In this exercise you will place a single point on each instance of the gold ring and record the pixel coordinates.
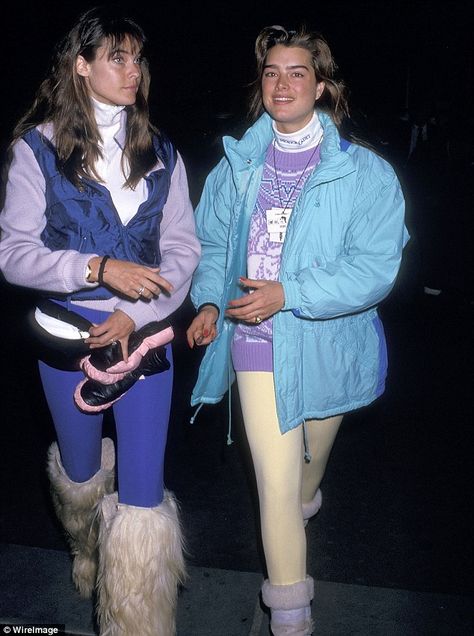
(141, 290)
(257, 320)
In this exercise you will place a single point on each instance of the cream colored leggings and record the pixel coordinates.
(284, 480)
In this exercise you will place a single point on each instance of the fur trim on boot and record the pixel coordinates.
(141, 565)
(290, 607)
(76, 505)
(312, 508)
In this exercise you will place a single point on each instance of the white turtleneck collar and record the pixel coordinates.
(106, 114)
(111, 124)
(303, 139)
(111, 121)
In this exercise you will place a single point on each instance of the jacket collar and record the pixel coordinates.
(251, 149)
(334, 162)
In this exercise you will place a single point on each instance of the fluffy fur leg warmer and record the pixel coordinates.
(76, 505)
(312, 508)
(141, 565)
(290, 607)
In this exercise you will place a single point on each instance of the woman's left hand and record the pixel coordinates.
(117, 327)
(265, 300)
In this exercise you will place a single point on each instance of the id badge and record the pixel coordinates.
(277, 222)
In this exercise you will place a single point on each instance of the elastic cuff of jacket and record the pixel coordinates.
(208, 305)
(292, 295)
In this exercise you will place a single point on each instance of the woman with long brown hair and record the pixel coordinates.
(97, 220)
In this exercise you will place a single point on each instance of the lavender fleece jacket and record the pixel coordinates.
(26, 261)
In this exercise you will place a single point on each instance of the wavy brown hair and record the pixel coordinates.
(63, 100)
(333, 99)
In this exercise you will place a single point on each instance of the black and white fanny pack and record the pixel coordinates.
(59, 335)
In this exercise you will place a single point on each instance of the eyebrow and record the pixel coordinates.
(291, 67)
(127, 52)
(119, 50)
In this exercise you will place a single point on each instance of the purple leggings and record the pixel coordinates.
(141, 420)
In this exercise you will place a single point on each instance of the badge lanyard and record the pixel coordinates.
(278, 218)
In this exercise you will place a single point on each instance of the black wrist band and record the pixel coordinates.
(100, 274)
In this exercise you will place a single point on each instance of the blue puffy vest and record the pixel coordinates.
(86, 220)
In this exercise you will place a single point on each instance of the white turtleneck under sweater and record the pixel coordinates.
(110, 120)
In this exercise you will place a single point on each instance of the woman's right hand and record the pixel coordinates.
(130, 279)
(203, 330)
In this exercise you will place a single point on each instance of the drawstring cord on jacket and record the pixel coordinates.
(193, 418)
(307, 454)
(229, 403)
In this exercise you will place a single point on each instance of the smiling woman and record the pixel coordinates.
(302, 236)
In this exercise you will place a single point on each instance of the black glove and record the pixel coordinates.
(92, 396)
(106, 364)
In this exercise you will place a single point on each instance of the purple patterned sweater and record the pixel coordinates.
(252, 344)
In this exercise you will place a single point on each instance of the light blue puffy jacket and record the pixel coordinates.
(340, 258)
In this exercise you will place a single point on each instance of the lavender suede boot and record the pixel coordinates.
(290, 607)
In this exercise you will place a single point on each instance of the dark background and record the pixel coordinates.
(393, 55)
(398, 487)
(404, 63)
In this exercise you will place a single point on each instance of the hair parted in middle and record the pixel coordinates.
(63, 100)
(333, 99)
